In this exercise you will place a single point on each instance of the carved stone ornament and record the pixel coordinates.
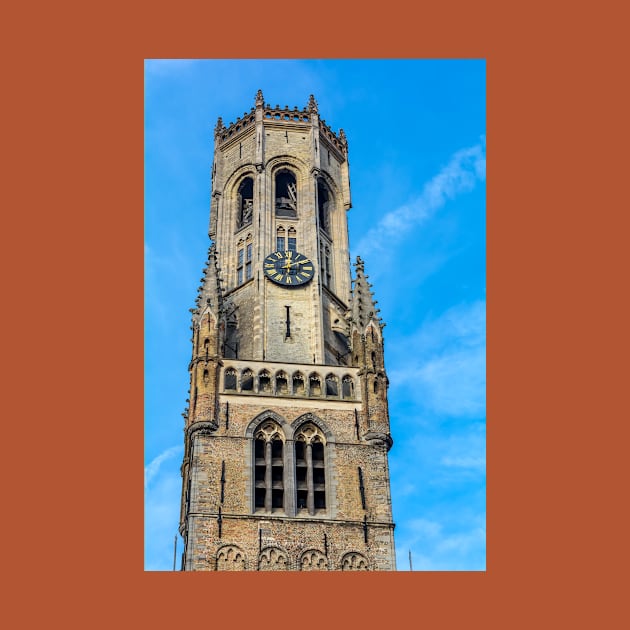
(375, 438)
(204, 428)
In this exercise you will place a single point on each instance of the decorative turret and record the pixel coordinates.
(363, 305)
(209, 293)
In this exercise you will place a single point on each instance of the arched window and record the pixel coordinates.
(323, 206)
(347, 387)
(310, 469)
(230, 378)
(286, 194)
(245, 202)
(314, 385)
(332, 385)
(280, 239)
(282, 384)
(269, 467)
(264, 382)
(247, 381)
(292, 243)
(298, 384)
(244, 252)
(325, 266)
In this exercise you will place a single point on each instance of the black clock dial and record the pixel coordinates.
(289, 268)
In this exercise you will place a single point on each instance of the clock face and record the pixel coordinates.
(289, 268)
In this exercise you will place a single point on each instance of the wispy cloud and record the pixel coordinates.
(444, 364)
(152, 469)
(465, 169)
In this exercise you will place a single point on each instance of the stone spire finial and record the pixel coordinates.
(342, 138)
(363, 305)
(260, 101)
(312, 105)
(209, 293)
(219, 126)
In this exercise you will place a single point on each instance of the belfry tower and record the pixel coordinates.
(287, 429)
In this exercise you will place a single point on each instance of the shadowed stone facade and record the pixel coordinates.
(287, 427)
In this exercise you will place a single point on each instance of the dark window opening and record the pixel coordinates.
(323, 204)
(282, 385)
(277, 498)
(260, 497)
(245, 199)
(315, 386)
(264, 382)
(276, 452)
(248, 262)
(230, 379)
(331, 386)
(286, 195)
(247, 383)
(292, 240)
(347, 387)
(298, 385)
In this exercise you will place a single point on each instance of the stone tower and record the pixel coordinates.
(287, 429)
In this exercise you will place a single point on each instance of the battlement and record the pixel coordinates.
(283, 116)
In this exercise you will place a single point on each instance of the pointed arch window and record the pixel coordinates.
(292, 240)
(310, 469)
(244, 252)
(325, 266)
(269, 468)
(247, 380)
(280, 239)
(323, 206)
(245, 203)
(286, 194)
(347, 387)
(298, 384)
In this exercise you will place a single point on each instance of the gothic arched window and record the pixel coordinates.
(264, 382)
(282, 383)
(230, 378)
(280, 239)
(245, 202)
(269, 467)
(310, 469)
(298, 384)
(286, 194)
(332, 385)
(347, 387)
(323, 206)
(244, 252)
(247, 380)
(314, 385)
(325, 265)
(292, 243)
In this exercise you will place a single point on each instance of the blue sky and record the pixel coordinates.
(417, 151)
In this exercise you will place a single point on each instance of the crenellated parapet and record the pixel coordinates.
(284, 116)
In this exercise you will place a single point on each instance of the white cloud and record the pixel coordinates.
(152, 469)
(465, 168)
(443, 366)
